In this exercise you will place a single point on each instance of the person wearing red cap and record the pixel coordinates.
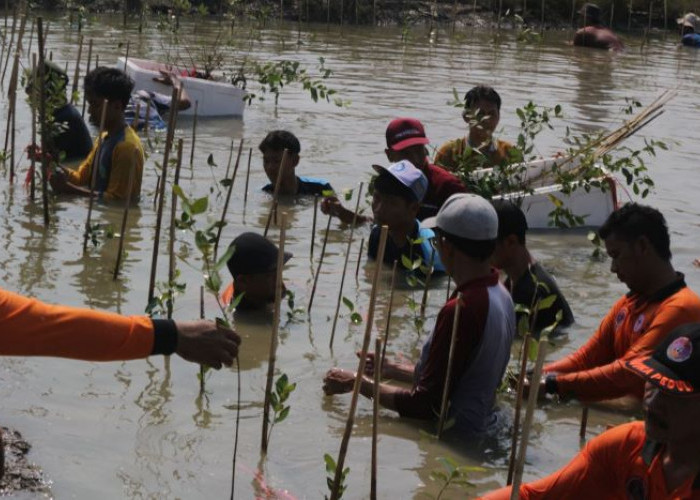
(406, 140)
(594, 34)
(657, 459)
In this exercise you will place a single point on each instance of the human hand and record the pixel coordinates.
(541, 391)
(166, 78)
(58, 180)
(387, 369)
(338, 381)
(330, 205)
(206, 343)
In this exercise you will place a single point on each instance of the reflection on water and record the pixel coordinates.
(141, 429)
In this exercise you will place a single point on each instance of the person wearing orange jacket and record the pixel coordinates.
(656, 459)
(637, 240)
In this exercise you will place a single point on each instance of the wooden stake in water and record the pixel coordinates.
(76, 74)
(10, 131)
(147, 120)
(424, 300)
(87, 70)
(31, 38)
(276, 192)
(450, 358)
(584, 423)
(10, 44)
(629, 17)
(375, 416)
(35, 98)
(194, 131)
(42, 121)
(320, 263)
(313, 228)
(387, 327)
(247, 177)
(340, 462)
(228, 199)
(273, 338)
(359, 258)
(531, 402)
(125, 218)
(518, 404)
(345, 265)
(172, 120)
(171, 236)
(93, 179)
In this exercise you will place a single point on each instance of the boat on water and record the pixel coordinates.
(214, 98)
(542, 195)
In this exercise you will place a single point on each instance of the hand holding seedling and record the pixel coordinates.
(206, 342)
(338, 381)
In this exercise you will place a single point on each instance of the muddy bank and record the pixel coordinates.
(16, 472)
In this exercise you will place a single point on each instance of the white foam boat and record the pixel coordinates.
(214, 98)
(594, 205)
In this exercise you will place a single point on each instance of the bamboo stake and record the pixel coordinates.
(126, 62)
(518, 404)
(93, 179)
(275, 328)
(450, 358)
(172, 120)
(10, 44)
(11, 115)
(228, 199)
(629, 17)
(173, 211)
(335, 490)
(388, 315)
(345, 265)
(202, 368)
(313, 228)
(573, 14)
(665, 15)
(147, 121)
(531, 402)
(42, 121)
(230, 159)
(194, 131)
(542, 18)
(375, 417)
(32, 166)
(320, 263)
(125, 217)
(612, 13)
(76, 74)
(424, 300)
(359, 258)
(247, 177)
(31, 38)
(584, 423)
(276, 192)
(87, 70)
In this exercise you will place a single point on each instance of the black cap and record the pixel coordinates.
(511, 219)
(253, 254)
(674, 367)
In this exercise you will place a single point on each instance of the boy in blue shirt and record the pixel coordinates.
(398, 193)
(272, 147)
(690, 24)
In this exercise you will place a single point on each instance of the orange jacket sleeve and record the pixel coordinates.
(82, 176)
(31, 328)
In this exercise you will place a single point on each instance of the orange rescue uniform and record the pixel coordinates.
(619, 464)
(29, 327)
(632, 329)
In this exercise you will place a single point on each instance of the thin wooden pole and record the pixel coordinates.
(76, 74)
(375, 417)
(87, 70)
(449, 282)
(359, 258)
(230, 159)
(531, 403)
(335, 490)
(542, 18)
(424, 300)
(345, 265)
(173, 211)
(573, 14)
(320, 263)
(276, 192)
(629, 17)
(12, 113)
(126, 62)
(584, 423)
(35, 97)
(518, 405)
(275, 329)
(665, 15)
(612, 13)
(93, 179)
(313, 228)
(194, 131)
(147, 121)
(11, 44)
(42, 122)
(387, 327)
(172, 120)
(31, 38)
(247, 177)
(125, 218)
(228, 199)
(450, 358)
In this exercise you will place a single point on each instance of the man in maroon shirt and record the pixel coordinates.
(406, 140)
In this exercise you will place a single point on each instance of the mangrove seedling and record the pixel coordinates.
(355, 317)
(283, 389)
(330, 470)
(452, 474)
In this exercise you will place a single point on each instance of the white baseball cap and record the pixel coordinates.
(466, 216)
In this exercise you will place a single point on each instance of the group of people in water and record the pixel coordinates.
(647, 346)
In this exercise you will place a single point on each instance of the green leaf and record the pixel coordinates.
(200, 205)
(406, 262)
(532, 350)
(283, 414)
(356, 318)
(546, 302)
(225, 257)
(281, 383)
(348, 303)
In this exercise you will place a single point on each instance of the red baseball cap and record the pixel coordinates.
(405, 132)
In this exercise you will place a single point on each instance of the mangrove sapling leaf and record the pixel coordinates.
(330, 470)
(452, 473)
(355, 317)
(282, 391)
(546, 302)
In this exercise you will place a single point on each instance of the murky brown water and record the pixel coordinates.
(139, 429)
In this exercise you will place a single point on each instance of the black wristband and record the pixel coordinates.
(550, 384)
(164, 336)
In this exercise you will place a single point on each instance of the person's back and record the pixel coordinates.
(594, 34)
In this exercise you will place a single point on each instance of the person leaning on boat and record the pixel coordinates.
(406, 140)
(478, 149)
(637, 241)
(690, 25)
(119, 152)
(594, 34)
(466, 228)
(657, 459)
(155, 103)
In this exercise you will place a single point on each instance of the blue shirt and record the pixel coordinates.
(691, 40)
(160, 104)
(72, 136)
(423, 248)
(308, 186)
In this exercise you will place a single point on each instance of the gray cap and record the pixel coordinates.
(466, 216)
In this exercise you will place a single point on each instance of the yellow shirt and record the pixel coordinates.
(119, 154)
(454, 154)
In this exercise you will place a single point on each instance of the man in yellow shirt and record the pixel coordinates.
(118, 155)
